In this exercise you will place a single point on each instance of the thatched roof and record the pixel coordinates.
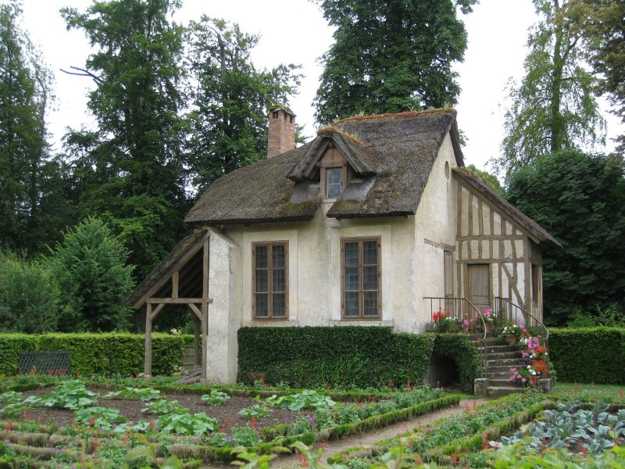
(163, 270)
(391, 154)
(533, 229)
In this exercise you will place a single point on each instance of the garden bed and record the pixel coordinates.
(107, 422)
(132, 410)
(528, 430)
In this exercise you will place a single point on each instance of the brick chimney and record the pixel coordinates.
(281, 134)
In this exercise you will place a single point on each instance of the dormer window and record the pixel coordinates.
(334, 182)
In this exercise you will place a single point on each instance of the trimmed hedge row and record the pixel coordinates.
(588, 355)
(103, 353)
(349, 356)
(337, 356)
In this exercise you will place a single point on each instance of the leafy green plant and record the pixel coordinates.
(11, 404)
(215, 397)
(255, 411)
(71, 394)
(163, 407)
(307, 399)
(132, 393)
(187, 424)
(574, 428)
(101, 418)
(245, 436)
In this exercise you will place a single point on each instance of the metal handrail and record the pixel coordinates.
(526, 314)
(446, 300)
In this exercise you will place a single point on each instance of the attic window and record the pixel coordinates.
(334, 182)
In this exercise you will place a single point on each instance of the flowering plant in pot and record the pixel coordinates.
(511, 333)
(536, 357)
(442, 322)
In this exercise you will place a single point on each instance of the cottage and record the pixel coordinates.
(374, 222)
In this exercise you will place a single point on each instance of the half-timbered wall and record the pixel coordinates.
(486, 236)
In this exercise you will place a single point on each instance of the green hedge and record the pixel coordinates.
(102, 354)
(588, 355)
(336, 356)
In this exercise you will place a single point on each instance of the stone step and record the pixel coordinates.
(493, 369)
(497, 391)
(503, 381)
(490, 356)
(498, 348)
(498, 375)
(509, 362)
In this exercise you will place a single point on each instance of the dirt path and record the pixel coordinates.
(369, 439)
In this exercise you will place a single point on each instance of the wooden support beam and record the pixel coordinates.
(196, 311)
(157, 310)
(147, 364)
(175, 284)
(174, 301)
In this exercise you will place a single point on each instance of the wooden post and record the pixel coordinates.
(204, 319)
(147, 370)
(175, 282)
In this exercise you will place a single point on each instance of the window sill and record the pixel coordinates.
(270, 323)
(362, 322)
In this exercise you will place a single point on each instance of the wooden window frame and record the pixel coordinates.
(270, 315)
(361, 316)
(324, 179)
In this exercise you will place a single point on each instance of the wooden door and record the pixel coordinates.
(478, 279)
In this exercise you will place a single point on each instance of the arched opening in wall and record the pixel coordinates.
(444, 371)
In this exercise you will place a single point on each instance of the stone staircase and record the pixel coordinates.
(497, 360)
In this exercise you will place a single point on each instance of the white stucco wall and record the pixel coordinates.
(435, 229)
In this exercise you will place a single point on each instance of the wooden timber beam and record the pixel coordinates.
(174, 301)
(147, 363)
(175, 283)
(196, 311)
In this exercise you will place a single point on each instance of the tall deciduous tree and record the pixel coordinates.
(230, 99)
(554, 107)
(580, 199)
(28, 175)
(602, 24)
(390, 55)
(130, 170)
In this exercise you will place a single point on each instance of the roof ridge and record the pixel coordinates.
(329, 129)
(394, 115)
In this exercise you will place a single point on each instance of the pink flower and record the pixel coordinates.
(466, 324)
(488, 312)
(533, 343)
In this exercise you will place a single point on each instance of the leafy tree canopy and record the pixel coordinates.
(230, 99)
(94, 279)
(390, 56)
(601, 23)
(131, 169)
(32, 206)
(554, 107)
(580, 199)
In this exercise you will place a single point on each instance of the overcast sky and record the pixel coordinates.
(294, 31)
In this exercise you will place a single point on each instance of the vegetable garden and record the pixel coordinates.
(53, 422)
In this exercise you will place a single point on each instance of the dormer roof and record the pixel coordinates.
(359, 156)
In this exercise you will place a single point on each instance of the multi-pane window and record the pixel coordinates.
(334, 182)
(270, 280)
(361, 278)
